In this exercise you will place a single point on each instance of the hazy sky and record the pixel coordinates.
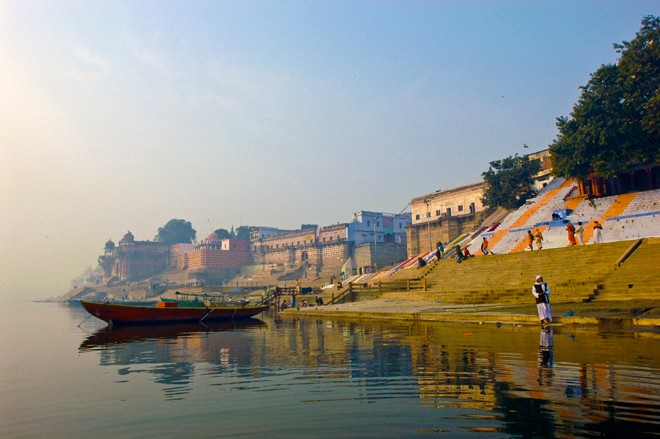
(121, 115)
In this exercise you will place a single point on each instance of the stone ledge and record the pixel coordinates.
(490, 318)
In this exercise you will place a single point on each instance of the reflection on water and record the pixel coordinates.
(508, 380)
(290, 377)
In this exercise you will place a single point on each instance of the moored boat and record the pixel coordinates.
(204, 299)
(168, 312)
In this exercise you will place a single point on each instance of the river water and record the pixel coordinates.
(288, 377)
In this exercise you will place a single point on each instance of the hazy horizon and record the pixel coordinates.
(122, 115)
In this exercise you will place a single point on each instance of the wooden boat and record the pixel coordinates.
(168, 312)
(204, 299)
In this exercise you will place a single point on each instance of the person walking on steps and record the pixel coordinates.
(440, 250)
(599, 232)
(541, 292)
(570, 229)
(538, 239)
(579, 232)
(484, 246)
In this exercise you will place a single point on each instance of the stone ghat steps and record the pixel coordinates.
(636, 278)
(574, 275)
(518, 295)
(556, 265)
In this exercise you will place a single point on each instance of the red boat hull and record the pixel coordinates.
(119, 314)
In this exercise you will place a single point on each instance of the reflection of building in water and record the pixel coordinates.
(511, 373)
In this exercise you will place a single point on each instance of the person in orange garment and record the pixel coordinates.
(484, 246)
(570, 228)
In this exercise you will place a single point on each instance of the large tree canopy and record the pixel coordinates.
(614, 125)
(243, 232)
(176, 231)
(509, 181)
(222, 233)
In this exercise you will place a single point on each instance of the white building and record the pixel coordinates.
(378, 227)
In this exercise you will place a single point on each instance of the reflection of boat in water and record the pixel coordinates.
(133, 333)
(170, 312)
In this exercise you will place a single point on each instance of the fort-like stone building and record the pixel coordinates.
(132, 260)
(371, 241)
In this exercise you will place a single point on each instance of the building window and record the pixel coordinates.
(417, 217)
(428, 214)
(448, 211)
(438, 213)
(473, 208)
(460, 208)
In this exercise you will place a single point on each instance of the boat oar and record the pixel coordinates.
(84, 320)
(207, 314)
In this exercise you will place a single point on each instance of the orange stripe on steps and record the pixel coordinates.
(528, 214)
(616, 209)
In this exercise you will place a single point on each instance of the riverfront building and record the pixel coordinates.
(443, 215)
(370, 240)
(132, 260)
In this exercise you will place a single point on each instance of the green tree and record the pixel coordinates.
(176, 231)
(614, 124)
(243, 232)
(509, 181)
(222, 233)
(639, 68)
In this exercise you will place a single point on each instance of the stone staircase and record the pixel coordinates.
(575, 274)
(636, 278)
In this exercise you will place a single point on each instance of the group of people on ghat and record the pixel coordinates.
(540, 288)
(281, 303)
(459, 253)
(575, 235)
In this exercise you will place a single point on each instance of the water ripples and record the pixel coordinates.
(502, 382)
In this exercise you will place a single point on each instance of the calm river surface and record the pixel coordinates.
(288, 377)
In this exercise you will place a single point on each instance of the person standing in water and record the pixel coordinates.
(541, 292)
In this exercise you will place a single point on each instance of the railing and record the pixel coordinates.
(377, 288)
(342, 296)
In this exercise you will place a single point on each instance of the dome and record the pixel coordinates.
(128, 238)
(213, 238)
(109, 245)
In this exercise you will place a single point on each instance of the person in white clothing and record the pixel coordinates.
(541, 292)
(579, 231)
(598, 229)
